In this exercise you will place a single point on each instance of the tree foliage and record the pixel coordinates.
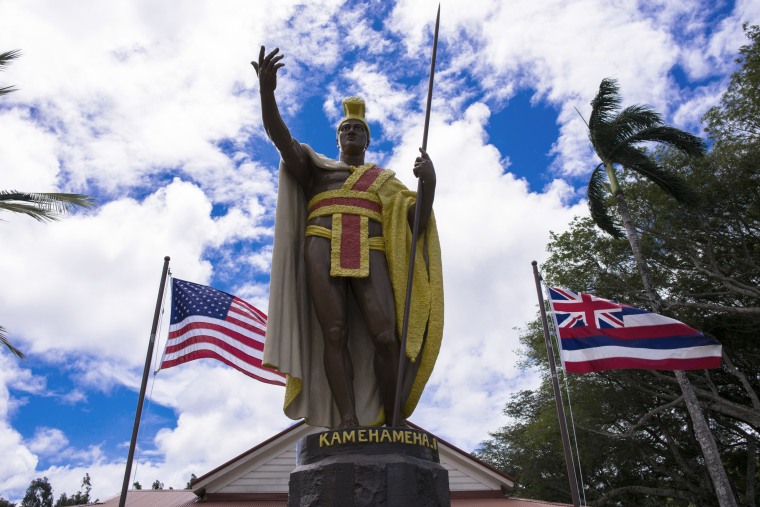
(38, 494)
(617, 136)
(633, 432)
(78, 498)
(737, 118)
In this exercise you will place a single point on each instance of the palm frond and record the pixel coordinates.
(42, 206)
(4, 341)
(605, 103)
(671, 184)
(7, 56)
(597, 204)
(633, 119)
(684, 142)
(5, 60)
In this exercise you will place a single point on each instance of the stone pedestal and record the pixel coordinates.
(393, 467)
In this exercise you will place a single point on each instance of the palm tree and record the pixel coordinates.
(617, 137)
(40, 206)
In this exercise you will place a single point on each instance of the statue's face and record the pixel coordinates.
(352, 137)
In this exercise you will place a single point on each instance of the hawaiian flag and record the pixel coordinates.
(597, 334)
(209, 323)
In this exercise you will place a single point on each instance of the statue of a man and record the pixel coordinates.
(339, 271)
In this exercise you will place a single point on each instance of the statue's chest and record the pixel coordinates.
(328, 180)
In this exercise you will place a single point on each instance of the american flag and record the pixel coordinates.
(209, 323)
(597, 334)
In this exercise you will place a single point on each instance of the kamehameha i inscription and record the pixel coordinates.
(404, 436)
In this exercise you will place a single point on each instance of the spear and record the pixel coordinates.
(415, 233)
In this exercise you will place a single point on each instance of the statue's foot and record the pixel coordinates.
(351, 422)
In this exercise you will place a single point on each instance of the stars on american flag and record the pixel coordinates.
(194, 299)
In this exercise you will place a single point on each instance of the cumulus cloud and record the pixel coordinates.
(18, 460)
(47, 441)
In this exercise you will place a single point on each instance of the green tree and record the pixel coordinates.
(616, 136)
(157, 485)
(38, 494)
(737, 118)
(40, 206)
(189, 484)
(136, 485)
(6, 503)
(729, 395)
(79, 498)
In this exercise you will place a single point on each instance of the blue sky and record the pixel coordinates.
(153, 109)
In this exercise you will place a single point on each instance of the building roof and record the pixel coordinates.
(259, 478)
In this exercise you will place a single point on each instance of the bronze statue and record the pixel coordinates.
(342, 237)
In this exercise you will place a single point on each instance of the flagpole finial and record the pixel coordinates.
(167, 258)
(534, 263)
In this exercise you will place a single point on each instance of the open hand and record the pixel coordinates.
(266, 68)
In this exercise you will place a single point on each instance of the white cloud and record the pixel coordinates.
(47, 441)
(40, 165)
(18, 460)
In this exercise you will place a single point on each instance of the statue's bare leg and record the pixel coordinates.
(329, 295)
(374, 296)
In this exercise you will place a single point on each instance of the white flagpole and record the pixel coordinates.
(141, 398)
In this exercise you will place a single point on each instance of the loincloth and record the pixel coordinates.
(374, 242)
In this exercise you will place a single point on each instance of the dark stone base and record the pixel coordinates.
(394, 467)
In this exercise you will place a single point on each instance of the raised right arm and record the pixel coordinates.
(295, 159)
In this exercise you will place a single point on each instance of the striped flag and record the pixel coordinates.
(206, 322)
(597, 334)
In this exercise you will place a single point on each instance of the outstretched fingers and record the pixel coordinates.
(268, 59)
(268, 63)
(257, 65)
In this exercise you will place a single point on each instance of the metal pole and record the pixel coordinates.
(557, 396)
(415, 233)
(141, 398)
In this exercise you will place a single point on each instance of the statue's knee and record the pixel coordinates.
(335, 336)
(385, 339)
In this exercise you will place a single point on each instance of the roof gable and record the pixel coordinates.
(265, 469)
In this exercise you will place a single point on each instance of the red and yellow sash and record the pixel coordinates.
(351, 208)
